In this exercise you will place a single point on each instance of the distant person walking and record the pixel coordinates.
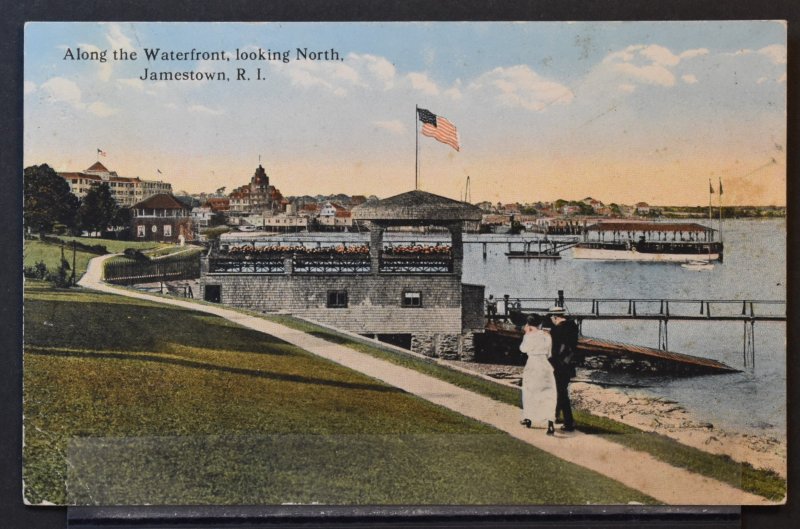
(564, 334)
(539, 395)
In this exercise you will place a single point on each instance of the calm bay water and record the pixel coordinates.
(754, 268)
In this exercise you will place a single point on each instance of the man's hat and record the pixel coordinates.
(556, 311)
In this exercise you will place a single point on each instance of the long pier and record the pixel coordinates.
(662, 310)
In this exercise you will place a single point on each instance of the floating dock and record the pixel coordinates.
(503, 339)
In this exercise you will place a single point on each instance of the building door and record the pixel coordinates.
(213, 293)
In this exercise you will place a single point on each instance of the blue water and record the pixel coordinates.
(754, 268)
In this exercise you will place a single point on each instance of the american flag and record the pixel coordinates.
(438, 128)
(101, 152)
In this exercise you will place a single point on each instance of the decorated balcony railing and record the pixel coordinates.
(331, 264)
(331, 260)
(246, 265)
(416, 264)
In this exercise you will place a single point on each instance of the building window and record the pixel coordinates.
(167, 230)
(412, 299)
(140, 230)
(337, 299)
(212, 293)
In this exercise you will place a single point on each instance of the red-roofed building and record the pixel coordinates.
(125, 190)
(161, 217)
(219, 204)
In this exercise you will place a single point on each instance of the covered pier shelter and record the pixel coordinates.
(408, 295)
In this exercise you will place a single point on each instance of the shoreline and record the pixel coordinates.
(662, 416)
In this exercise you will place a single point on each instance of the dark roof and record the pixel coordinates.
(97, 166)
(417, 206)
(160, 201)
(648, 226)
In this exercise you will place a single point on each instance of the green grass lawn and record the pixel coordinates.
(742, 475)
(35, 250)
(115, 246)
(130, 402)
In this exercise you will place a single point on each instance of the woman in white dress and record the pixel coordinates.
(538, 383)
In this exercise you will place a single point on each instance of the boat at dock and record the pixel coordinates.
(649, 241)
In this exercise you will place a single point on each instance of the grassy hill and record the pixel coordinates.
(130, 402)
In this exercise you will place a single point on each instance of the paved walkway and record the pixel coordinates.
(637, 470)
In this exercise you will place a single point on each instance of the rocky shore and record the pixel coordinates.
(662, 416)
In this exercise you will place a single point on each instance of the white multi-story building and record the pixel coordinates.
(127, 191)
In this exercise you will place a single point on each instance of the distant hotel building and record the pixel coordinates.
(256, 198)
(127, 191)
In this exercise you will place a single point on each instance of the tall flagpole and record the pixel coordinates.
(710, 192)
(416, 158)
(720, 209)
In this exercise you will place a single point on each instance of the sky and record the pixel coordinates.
(622, 112)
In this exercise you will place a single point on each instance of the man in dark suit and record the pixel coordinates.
(564, 333)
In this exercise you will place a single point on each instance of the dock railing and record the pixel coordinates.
(649, 308)
(661, 310)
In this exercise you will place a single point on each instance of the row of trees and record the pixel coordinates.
(48, 204)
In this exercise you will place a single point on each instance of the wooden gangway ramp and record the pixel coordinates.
(610, 355)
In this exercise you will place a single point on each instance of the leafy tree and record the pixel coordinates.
(98, 209)
(47, 199)
(123, 217)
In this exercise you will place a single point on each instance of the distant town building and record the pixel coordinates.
(161, 217)
(125, 190)
(219, 204)
(257, 198)
(201, 216)
(334, 216)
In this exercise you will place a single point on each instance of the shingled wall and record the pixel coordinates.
(374, 302)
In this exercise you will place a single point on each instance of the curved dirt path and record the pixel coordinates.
(638, 470)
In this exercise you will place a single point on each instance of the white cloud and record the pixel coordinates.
(782, 78)
(691, 54)
(689, 78)
(117, 39)
(340, 77)
(776, 53)
(454, 92)
(521, 86)
(421, 82)
(202, 109)
(660, 55)
(380, 68)
(29, 87)
(649, 64)
(59, 89)
(626, 87)
(98, 108)
(395, 126)
(761, 80)
(650, 74)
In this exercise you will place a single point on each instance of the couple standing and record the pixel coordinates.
(550, 366)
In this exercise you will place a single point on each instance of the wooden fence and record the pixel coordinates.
(128, 272)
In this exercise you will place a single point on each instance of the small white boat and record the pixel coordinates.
(698, 265)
